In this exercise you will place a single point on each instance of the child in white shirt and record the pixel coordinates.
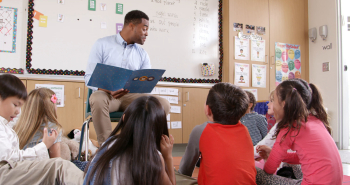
(30, 166)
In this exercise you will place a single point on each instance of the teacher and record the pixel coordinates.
(120, 50)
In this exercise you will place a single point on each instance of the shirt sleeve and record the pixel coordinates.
(192, 153)
(279, 152)
(268, 140)
(146, 63)
(95, 57)
(9, 148)
(262, 125)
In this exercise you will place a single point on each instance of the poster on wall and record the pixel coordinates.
(288, 62)
(8, 29)
(241, 48)
(58, 89)
(254, 91)
(242, 74)
(258, 50)
(259, 75)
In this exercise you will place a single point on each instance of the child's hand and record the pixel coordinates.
(264, 151)
(49, 139)
(166, 146)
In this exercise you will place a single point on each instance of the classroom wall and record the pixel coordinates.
(324, 12)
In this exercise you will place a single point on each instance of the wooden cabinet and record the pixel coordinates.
(24, 82)
(70, 116)
(289, 24)
(193, 100)
(284, 21)
(177, 133)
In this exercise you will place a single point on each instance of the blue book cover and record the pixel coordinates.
(114, 78)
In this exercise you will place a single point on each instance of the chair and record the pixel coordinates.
(115, 116)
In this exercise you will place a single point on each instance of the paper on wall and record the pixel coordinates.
(254, 91)
(162, 90)
(103, 6)
(103, 25)
(60, 17)
(175, 109)
(242, 74)
(58, 89)
(168, 124)
(176, 125)
(258, 50)
(172, 91)
(259, 75)
(241, 48)
(168, 117)
(43, 21)
(171, 99)
(155, 90)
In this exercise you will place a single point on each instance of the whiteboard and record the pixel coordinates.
(182, 34)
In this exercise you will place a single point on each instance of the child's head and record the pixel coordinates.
(293, 101)
(39, 109)
(270, 104)
(252, 101)
(227, 103)
(13, 94)
(135, 142)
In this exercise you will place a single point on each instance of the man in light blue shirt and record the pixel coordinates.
(120, 50)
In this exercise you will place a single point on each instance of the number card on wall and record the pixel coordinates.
(8, 29)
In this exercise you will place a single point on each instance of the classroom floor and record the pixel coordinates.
(179, 151)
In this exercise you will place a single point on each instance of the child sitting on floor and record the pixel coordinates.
(30, 166)
(223, 142)
(303, 127)
(138, 151)
(256, 123)
(39, 112)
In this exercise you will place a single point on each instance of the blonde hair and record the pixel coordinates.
(38, 110)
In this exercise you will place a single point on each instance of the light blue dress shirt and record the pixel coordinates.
(114, 51)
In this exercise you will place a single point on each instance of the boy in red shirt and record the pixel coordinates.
(223, 142)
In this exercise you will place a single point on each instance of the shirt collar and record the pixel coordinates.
(121, 41)
(3, 120)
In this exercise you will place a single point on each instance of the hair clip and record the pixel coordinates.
(294, 88)
(54, 98)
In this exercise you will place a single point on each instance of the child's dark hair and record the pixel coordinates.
(316, 105)
(227, 102)
(135, 141)
(135, 16)
(10, 85)
(300, 100)
(251, 99)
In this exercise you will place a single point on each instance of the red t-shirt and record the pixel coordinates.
(227, 155)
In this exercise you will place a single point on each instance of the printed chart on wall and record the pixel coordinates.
(288, 62)
(8, 29)
(241, 48)
(242, 74)
(259, 75)
(58, 89)
(258, 50)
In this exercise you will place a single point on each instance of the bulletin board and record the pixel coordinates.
(182, 35)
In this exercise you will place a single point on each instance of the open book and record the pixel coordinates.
(114, 78)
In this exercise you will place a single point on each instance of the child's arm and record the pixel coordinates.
(166, 147)
(9, 147)
(262, 125)
(55, 150)
(268, 141)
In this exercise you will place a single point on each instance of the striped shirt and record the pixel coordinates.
(257, 126)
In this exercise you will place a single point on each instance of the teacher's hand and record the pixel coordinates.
(119, 93)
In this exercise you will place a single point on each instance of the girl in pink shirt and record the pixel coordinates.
(303, 127)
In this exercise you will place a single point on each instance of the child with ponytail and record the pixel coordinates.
(303, 127)
(37, 113)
